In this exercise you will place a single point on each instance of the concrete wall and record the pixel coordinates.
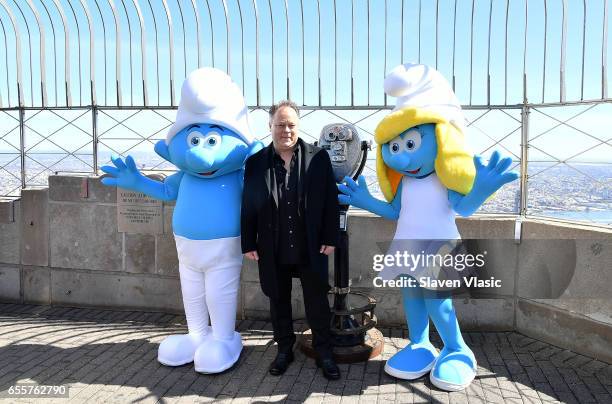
(61, 246)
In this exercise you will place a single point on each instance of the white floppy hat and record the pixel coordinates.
(421, 86)
(208, 95)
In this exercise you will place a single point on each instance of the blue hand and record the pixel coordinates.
(357, 194)
(123, 175)
(489, 179)
(354, 193)
(493, 176)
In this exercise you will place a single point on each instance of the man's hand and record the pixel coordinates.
(327, 249)
(252, 255)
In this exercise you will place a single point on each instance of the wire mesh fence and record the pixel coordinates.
(85, 79)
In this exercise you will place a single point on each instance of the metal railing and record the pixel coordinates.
(82, 64)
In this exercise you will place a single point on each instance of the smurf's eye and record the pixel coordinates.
(412, 140)
(395, 147)
(194, 139)
(212, 140)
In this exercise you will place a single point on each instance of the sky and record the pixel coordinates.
(296, 47)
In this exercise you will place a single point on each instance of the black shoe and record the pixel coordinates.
(329, 368)
(281, 363)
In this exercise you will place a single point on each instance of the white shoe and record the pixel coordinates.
(216, 355)
(178, 350)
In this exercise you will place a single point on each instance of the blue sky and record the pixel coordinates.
(351, 43)
(346, 29)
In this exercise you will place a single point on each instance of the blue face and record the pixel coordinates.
(207, 151)
(413, 152)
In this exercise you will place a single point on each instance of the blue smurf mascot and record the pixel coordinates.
(426, 174)
(208, 143)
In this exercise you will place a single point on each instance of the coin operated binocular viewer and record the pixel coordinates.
(353, 321)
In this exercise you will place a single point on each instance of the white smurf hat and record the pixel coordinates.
(208, 95)
(421, 86)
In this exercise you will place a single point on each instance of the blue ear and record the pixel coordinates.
(162, 149)
(255, 147)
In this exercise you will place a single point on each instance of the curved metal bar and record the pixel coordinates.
(29, 51)
(563, 46)
(506, 56)
(228, 41)
(117, 52)
(8, 87)
(156, 49)
(54, 49)
(178, 3)
(353, 52)
(472, 53)
(303, 57)
(437, 29)
(197, 18)
(454, 40)
(92, 70)
(67, 81)
(143, 52)
(418, 33)
(604, 53)
(319, 57)
(103, 49)
(171, 49)
(368, 23)
(525, 55)
(584, 19)
(287, 25)
(385, 52)
(545, 46)
(401, 32)
(489, 55)
(127, 17)
(241, 43)
(43, 75)
(76, 23)
(272, 49)
(212, 35)
(256, 49)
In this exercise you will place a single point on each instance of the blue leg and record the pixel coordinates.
(418, 357)
(455, 368)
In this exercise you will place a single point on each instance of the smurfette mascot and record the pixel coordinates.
(209, 142)
(427, 175)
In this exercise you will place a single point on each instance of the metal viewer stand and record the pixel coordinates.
(353, 320)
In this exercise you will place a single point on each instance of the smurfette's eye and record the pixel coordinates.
(395, 147)
(412, 140)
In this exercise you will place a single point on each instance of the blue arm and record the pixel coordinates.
(488, 180)
(126, 175)
(357, 194)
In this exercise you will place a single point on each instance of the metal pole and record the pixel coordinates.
(94, 134)
(22, 145)
(524, 157)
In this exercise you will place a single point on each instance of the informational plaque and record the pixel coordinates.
(138, 213)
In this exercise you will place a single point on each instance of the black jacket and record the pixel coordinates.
(259, 217)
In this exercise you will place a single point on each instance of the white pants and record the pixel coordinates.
(210, 278)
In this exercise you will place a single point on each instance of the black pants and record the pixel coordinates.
(316, 306)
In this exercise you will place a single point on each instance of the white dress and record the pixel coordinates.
(425, 215)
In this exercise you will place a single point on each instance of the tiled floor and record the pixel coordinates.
(110, 356)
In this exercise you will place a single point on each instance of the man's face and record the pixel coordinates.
(284, 128)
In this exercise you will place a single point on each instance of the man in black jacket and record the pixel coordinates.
(289, 224)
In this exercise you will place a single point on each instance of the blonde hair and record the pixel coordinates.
(454, 163)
